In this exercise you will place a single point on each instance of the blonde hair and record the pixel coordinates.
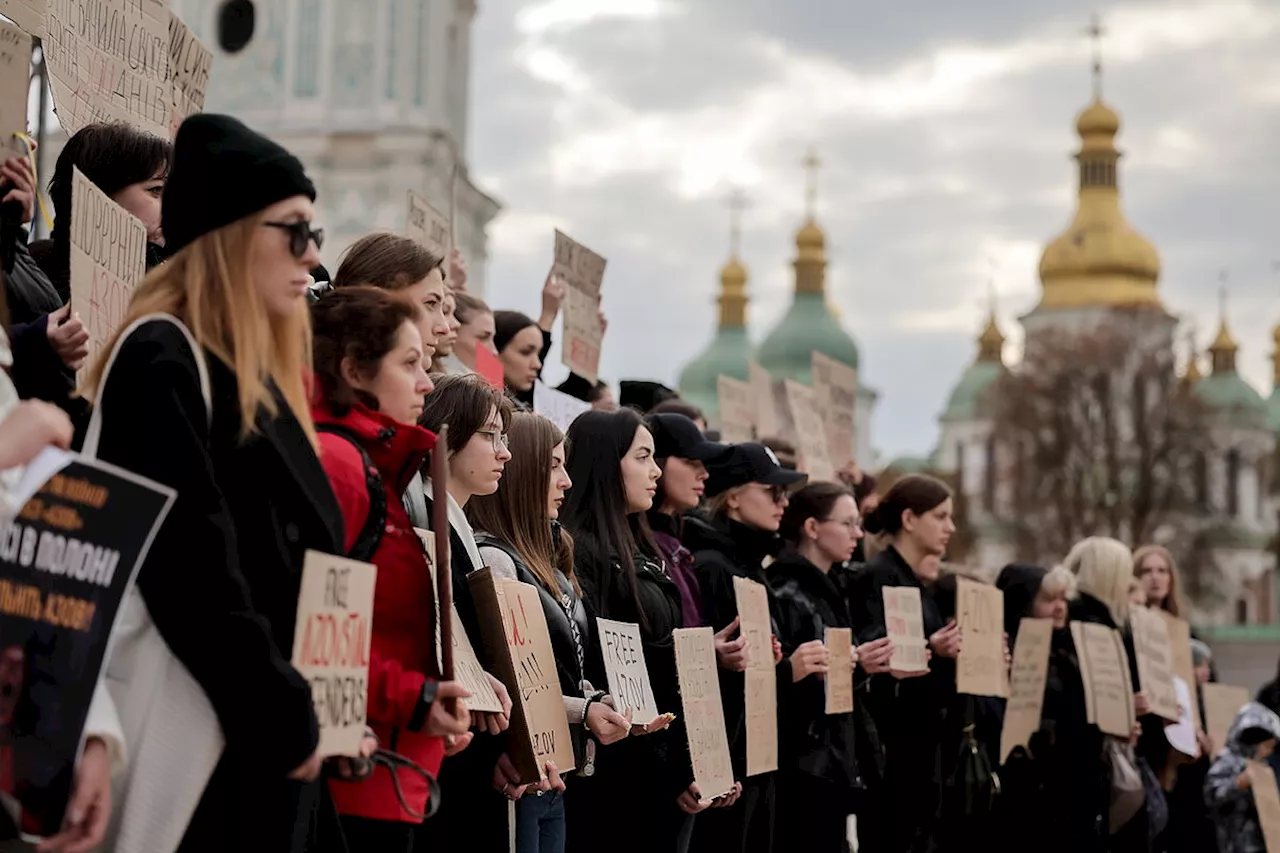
(1103, 568)
(1172, 603)
(209, 286)
(1059, 581)
(718, 506)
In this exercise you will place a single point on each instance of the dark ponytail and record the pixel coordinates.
(816, 500)
(919, 493)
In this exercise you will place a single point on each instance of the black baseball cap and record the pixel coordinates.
(676, 435)
(749, 463)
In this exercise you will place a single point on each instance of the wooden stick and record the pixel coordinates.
(444, 570)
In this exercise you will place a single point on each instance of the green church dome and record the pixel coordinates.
(968, 397)
(1224, 390)
(807, 327)
(727, 354)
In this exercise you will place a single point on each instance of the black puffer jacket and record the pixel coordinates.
(723, 550)
(812, 741)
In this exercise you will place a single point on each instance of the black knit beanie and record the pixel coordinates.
(222, 172)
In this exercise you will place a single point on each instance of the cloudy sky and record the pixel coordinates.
(945, 129)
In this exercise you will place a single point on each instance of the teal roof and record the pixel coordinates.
(1233, 398)
(727, 354)
(967, 398)
(808, 327)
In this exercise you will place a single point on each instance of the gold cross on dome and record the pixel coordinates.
(811, 164)
(1095, 32)
(737, 206)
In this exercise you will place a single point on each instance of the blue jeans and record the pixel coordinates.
(540, 823)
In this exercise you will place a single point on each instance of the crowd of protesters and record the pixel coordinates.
(291, 416)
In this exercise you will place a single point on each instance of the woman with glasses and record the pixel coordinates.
(820, 784)
(520, 538)
(370, 388)
(748, 492)
(484, 784)
(203, 390)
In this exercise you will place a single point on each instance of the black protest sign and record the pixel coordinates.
(66, 562)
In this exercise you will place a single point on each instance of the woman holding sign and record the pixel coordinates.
(611, 463)
(749, 490)
(368, 358)
(520, 538)
(820, 781)
(915, 518)
(203, 391)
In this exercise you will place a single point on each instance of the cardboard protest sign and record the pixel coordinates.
(29, 15)
(519, 647)
(762, 396)
(1155, 662)
(839, 642)
(1104, 666)
(980, 669)
(190, 64)
(489, 366)
(1221, 704)
(67, 562)
(737, 411)
(15, 85)
(1026, 690)
(582, 272)
(904, 625)
(625, 668)
(1266, 799)
(108, 259)
(1182, 734)
(467, 669)
(332, 642)
(118, 69)
(835, 385)
(761, 682)
(556, 406)
(427, 226)
(811, 432)
(703, 711)
(1180, 645)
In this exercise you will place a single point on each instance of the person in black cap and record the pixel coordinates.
(210, 400)
(682, 453)
(748, 491)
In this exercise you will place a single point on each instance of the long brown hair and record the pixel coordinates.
(209, 286)
(517, 512)
(1172, 603)
(385, 260)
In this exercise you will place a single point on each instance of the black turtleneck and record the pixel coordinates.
(722, 550)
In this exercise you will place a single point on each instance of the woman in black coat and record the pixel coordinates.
(748, 491)
(221, 580)
(638, 796)
(916, 515)
(820, 783)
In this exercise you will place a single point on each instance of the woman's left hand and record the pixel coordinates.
(494, 723)
(874, 656)
(89, 810)
(351, 769)
(727, 800)
(605, 723)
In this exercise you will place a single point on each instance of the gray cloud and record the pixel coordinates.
(946, 136)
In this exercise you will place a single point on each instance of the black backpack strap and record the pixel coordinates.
(375, 522)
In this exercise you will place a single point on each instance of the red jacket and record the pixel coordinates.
(403, 649)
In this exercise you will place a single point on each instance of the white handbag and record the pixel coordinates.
(172, 736)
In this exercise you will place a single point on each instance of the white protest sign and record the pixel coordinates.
(191, 63)
(15, 83)
(332, 644)
(556, 406)
(904, 625)
(625, 667)
(427, 226)
(737, 410)
(811, 432)
(109, 60)
(760, 680)
(108, 259)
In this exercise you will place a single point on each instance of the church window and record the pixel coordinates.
(1233, 482)
(306, 78)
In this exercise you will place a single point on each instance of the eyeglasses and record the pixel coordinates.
(497, 439)
(853, 524)
(300, 234)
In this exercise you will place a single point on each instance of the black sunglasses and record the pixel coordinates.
(300, 234)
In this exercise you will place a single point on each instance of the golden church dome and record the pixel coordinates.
(733, 274)
(1100, 260)
(810, 236)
